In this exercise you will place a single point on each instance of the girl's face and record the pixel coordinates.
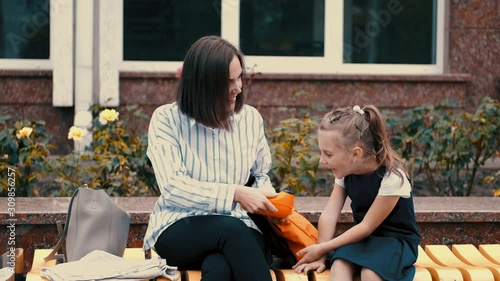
(336, 158)
(235, 82)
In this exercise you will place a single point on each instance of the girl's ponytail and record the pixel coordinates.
(384, 153)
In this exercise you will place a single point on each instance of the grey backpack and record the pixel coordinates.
(93, 222)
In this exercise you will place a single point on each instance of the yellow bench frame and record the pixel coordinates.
(435, 263)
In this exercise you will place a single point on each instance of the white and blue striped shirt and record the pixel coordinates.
(197, 168)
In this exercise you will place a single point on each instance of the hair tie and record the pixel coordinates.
(358, 110)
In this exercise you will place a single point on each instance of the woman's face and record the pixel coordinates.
(235, 82)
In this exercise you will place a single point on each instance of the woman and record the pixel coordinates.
(204, 147)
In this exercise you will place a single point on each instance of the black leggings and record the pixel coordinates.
(223, 247)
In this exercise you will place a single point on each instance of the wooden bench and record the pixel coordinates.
(435, 263)
(130, 253)
(439, 263)
(441, 220)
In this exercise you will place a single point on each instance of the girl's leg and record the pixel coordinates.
(189, 241)
(342, 270)
(369, 275)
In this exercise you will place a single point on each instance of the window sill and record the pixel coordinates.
(452, 77)
(440, 78)
(25, 73)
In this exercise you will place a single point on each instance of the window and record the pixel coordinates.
(282, 28)
(24, 29)
(289, 36)
(163, 30)
(38, 35)
(389, 32)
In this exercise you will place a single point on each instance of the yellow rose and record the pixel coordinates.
(108, 115)
(488, 179)
(76, 133)
(24, 132)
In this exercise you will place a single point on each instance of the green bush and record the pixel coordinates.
(296, 157)
(448, 147)
(24, 147)
(445, 149)
(295, 153)
(115, 161)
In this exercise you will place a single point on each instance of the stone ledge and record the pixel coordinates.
(48, 210)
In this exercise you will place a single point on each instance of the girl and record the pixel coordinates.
(383, 243)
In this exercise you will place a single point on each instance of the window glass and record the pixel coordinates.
(24, 29)
(390, 31)
(163, 30)
(282, 27)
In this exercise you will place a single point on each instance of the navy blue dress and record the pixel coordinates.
(392, 249)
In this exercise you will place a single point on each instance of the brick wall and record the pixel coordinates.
(473, 72)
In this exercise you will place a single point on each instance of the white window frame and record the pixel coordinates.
(61, 54)
(111, 62)
(332, 61)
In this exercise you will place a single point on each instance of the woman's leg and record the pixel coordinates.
(189, 241)
(216, 267)
(342, 270)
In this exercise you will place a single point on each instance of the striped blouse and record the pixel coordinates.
(197, 168)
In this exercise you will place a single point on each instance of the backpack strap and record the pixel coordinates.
(62, 240)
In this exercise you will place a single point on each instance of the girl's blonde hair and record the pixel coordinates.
(364, 127)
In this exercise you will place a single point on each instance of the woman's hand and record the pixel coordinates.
(319, 266)
(311, 254)
(254, 200)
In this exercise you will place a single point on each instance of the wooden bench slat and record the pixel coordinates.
(39, 263)
(491, 252)
(471, 256)
(195, 275)
(442, 255)
(421, 274)
(289, 275)
(438, 272)
(191, 275)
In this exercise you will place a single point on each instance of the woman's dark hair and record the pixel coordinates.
(203, 91)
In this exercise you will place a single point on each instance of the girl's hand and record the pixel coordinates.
(311, 254)
(253, 200)
(318, 265)
(277, 221)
